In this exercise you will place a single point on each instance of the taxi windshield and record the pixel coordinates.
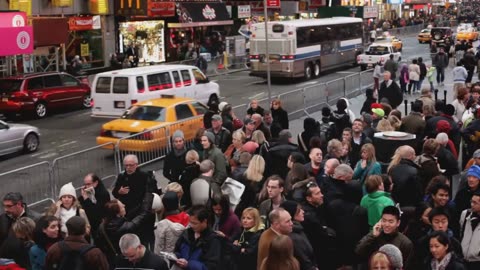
(147, 113)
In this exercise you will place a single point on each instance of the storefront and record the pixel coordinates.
(86, 40)
(416, 8)
(147, 37)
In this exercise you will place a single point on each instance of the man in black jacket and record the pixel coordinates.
(137, 256)
(175, 161)
(277, 157)
(93, 200)
(390, 90)
(357, 141)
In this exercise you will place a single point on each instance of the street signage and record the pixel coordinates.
(273, 3)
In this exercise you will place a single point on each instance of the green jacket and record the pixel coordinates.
(374, 203)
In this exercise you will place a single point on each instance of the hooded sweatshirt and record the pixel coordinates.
(374, 203)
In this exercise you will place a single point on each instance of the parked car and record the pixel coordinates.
(38, 93)
(154, 119)
(18, 137)
(424, 36)
(377, 52)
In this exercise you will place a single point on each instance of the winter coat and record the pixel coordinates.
(247, 240)
(191, 172)
(454, 264)
(369, 244)
(200, 190)
(303, 250)
(392, 93)
(280, 116)
(265, 208)
(362, 173)
(174, 165)
(203, 253)
(277, 158)
(96, 211)
(404, 77)
(230, 226)
(428, 168)
(374, 203)
(469, 61)
(354, 154)
(463, 198)
(8, 241)
(414, 124)
(440, 60)
(137, 182)
(249, 196)
(422, 248)
(431, 74)
(407, 187)
(166, 235)
(392, 67)
(220, 174)
(427, 100)
(414, 72)
(341, 120)
(94, 258)
(471, 236)
(460, 74)
(423, 70)
(222, 139)
(37, 257)
(148, 261)
(447, 161)
(258, 110)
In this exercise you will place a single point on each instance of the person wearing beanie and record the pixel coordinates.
(446, 114)
(214, 154)
(302, 249)
(464, 195)
(75, 241)
(340, 118)
(169, 229)
(394, 254)
(66, 207)
(368, 101)
(175, 162)
(377, 115)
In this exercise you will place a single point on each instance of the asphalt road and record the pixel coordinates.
(64, 133)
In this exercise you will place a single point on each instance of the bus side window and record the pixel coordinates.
(140, 84)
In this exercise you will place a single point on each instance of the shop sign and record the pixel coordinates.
(22, 5)
(208, 13)
(273, 3)
(16, 40)
(258, 6)
(418, 7)
(84, 50)
(130, 7)
(84, 23)
(99, 6)
(62, 3)
(161, 9)
(244, 11)
(13, 19)
(314, 4)
(370, 12)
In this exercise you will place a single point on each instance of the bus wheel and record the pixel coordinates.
(308, 71)
(316, 69)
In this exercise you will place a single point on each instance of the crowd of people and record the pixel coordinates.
(244, 195)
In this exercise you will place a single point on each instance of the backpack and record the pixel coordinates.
(325, 132)
(73, 259)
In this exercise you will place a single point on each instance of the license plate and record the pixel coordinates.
(119, 134)
(4, 99)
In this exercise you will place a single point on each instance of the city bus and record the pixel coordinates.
(304, 48)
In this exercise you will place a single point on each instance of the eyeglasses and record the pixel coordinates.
(130, 165)
(311, 184)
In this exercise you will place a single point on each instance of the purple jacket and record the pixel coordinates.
(231, 226)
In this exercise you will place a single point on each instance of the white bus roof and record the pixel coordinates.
(145, 69)
(310, 22)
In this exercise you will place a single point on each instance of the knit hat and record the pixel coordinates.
(250, 147)
(170, 201)
(376, 106)
(210, 136)
(76, 225)
(367, 118)
(474, 171)
(443, 126)
(157, 204)
(290, 206)
(216, 117)
(394, 254)
(476, 154)
(178, 134)
(68, 189)
(378, 112)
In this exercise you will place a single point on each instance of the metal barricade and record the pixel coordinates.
(295, 101)
(74, 167)
(335, 89)
(34, 182)
(315, 97)
(240, 111)
(366, 79)
(352, 84)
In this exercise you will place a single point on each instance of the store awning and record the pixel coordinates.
(201, 14)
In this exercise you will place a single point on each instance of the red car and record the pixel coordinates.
(38, 93)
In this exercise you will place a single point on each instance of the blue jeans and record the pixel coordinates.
(419, 85)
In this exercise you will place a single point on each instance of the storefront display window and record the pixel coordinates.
(147, 39)
(89, 46)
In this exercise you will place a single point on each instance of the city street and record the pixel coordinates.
(68, 132)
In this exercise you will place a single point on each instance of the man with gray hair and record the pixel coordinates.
(259, 125)
(202, 186)
(446, 159)
(136, 256)
(341, 183)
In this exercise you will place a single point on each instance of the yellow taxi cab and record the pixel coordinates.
(468, 34)
(146, 125)
(394, 41)
(425, 36)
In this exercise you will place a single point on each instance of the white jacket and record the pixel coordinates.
(414, 72)
(166, 235)
(471, 239)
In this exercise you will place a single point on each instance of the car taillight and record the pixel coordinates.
(134, 101)
(254, 56)
(288, 57)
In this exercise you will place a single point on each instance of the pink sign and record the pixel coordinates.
(16, 40)
(13, 19)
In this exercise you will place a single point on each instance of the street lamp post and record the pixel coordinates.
(267, 55)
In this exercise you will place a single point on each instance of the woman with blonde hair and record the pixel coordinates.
(259, 137)
(367, 165)
(232, 154)
(380, 261)
(428, 111)
(23, 229)
(280, 255)
(252, 179)
(66, 207)
(245, 244)
(384, 126)
(394, 121)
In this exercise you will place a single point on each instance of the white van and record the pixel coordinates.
(115, 91)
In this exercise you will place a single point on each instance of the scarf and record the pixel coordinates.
(179, 152)
(441, 265)
(65, 215)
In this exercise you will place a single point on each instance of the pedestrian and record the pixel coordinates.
(46, 233)
(376, 199)
(255, 108)
(460, 75)
(245, 243)
(440, 61)
(423, 72)
(442, 255)
(223, 137)
(470, 63)
(380, 260)
(200, 189)
(213, 153)
(201, 63)
(280, 255)
(279, 115)
(93, 199)
(404, 79)
(340, 118)
(23, 229)
(391, 66)
(224, 222)
(377, 74)
(175, 161)
(137, 256)
(413, 76)
(471, 232)
(370, 99)
(93, 258)
(390, 90)
(367, 165)
(430, 76)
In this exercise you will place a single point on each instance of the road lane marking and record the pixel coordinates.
(68, 143)
(49, 155)
(257, 96)
(346, 72)
(255, 82)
